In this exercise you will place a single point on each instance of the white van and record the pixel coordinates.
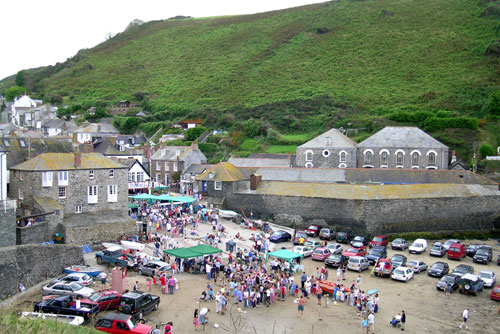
(418, 246)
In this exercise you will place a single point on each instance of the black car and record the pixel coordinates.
(439, 269)
(447, 280)
(359, 239)
(344, 237)
(398, 260)
(484, 254)
(463, 269)
(498, 260)
(336, 260)
(138, 304)
(280, 235)
(377, 252)
(471, 249)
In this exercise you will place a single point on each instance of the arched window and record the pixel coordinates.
(400, 158)
(309, 165)
(342, 156)
(384, 158)
(368, 157)
(431, 158)
(342, 166)
(414, 159)
(309, 155)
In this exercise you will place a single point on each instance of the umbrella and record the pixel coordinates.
(372, 291)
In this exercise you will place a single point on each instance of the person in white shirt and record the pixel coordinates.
(371, 323)
(465, 317)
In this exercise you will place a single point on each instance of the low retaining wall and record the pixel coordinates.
(34, 234)
(94, 233)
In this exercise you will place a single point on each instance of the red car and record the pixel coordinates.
(379, 240)
(321, 253)
(117, 323)
(298, 235)
(495, 293)
(313, 230)
(353, 251)
(106, 299)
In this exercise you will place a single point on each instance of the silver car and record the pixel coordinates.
(416, 265)
(357, 263)
(81, 278)
(157, 267)
(488, 278)
(335, 248)
(67, 289)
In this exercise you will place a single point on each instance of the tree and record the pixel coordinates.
(485, 150)
(492, 106)
(13, 92)
(20, 78)
(193, 133)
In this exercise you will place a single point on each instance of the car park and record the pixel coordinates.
(304, 250)
(105, 299)
(359, 240)
(280, 235)
(353, 251)
(417, 266)
(400, 244)
(116, 323)
(335, 248)
(456, 252)
(81, 278)
(312, 244)
(67, 289)
(300, 236)
(138, 303)
(450, 242)
(320, 253)
(313, 230)
(488, 278)
(156, 267)
(463, 269)
(437, 250)
(344, 237)
(379, 240)
(357, 263)
(471, 249)
(470, 284)
(418, 246)
(336, 260)
(383, 268)
(448, 280)
(398, 260)
(402, 274)
(438, 269)
(326, 234)
(495, 293)
(377, 252)
(484, 254)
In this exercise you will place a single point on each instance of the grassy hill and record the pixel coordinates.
(342, 63)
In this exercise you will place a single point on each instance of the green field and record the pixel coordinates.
(277, 149)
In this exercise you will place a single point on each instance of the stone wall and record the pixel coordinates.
(34, 234)
(31, 264)
(327, 157)
(7, 224)
(441, 157)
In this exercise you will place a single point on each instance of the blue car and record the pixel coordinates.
(280, 235)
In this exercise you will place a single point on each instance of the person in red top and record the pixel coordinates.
(283, 292)
(163, 283)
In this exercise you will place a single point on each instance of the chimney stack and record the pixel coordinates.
(78, 159)
(88, 147)
(453, 157)
(254, 181)
(194, 146)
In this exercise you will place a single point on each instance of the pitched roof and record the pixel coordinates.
(223, 171)
(198, 168)
(331, 138)
(53, 123)
(401, 136)
(24, 102)
(66, 161)
(170, 153)
(96, 128)
(48, 204)
(259, 162)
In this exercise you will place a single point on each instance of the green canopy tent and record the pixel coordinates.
(285, 254)
(185, 199)
(144, 197)
(132, 206)
(183, 253)
(165, 197)
(205, 249)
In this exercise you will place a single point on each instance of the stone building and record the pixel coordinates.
(331, 149)
(402, 147)
(7, 206)
(169, 160)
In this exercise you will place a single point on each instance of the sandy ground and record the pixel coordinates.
(427, 309)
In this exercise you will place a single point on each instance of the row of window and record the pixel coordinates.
(175, 167)
(136, 177)
(62, 177)
(326, 154)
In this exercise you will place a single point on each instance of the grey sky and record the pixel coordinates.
(38, 33)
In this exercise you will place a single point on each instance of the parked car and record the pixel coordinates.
(402, 274)
(448, 280)
(398, 260)
(304, 250)
(313, 230)
(399, 243)
(357, 263)
(280, 235)
(488, 278)
(498, 260)
(456, 252)
(418, 246)
(417, 266)
(484, 254)
(377, 252)
(115, 257)
(66, 305)
(312, 244)
(495, 293)
(450, 242)
(384, 268)
(300, 235)
(321, 253)
(353, 251)
(81, 278)
(463, 269)
(105, 299)
(156, 267)
(336, 260)
(138, 304)
(379, 240)
(116, 323)
(327, 234)
(471, 249)
(470, 284)
(67, 289)
(439, 269)
(335, 248)
(437, 250)
(344, 237)
(359, 240)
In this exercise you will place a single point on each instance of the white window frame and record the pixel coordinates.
(91, 174)
(175, 167)
(342, 157)
(111, 173)
(167, 166)
(112, 193)
(386, 162)
(365, 155)
(140, 176)
(47, 179)
(342, 165)
(429, 164)
(20, 194)
(62, 177)
(64, 191)
(92, 194)
(158, 165)
(309, 155)
(166, 178)
(78, 208)
(413, 164)
(217, 185)
(309, 165)
(402, 156)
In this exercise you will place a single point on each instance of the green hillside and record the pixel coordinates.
(298, 70)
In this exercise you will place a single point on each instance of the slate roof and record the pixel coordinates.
(48, 204)
(106, 146)
(332, 138)
(302, 174)
(66, 161)
(94, 128)
(259, 162)
(223, 171)
(53, 123)
(401, 136)
(198, 168)
(170, 153)
(269, 156)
